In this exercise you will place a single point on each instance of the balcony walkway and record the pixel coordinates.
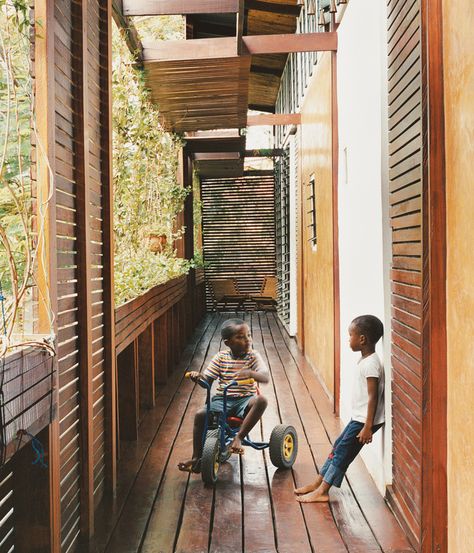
(252, 509)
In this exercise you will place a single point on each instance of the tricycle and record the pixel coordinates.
(220, 430)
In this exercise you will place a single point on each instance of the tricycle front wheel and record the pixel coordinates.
(283, 446)
(210, 459)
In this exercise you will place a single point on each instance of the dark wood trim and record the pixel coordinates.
(286, 43)
(86, 431)
(261, 107)
(335, 235)
(274, 119)
(275, 71)
(264, 152)
(240, 23)
(178, 7)
(273, 7)
(47, 275)
(108, 271)
(434, 535)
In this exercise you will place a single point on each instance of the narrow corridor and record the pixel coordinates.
(252, 508)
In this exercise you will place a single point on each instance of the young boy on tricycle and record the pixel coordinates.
(237, 363)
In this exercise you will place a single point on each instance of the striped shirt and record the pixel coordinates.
(225, 368)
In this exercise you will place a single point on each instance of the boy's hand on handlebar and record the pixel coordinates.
(193, 375)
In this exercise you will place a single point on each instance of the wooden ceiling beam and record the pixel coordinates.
(274, 119)
(217, 156)
(285, 44)
(272, 7)
(218, 48)
(178, 7)
(187, 50)
(272, 152)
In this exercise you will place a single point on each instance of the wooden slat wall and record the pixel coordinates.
(238, 222)
(405, 172)
(97, 65)
(81, 175)
(67, 318)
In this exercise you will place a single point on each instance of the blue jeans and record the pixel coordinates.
(344, 451)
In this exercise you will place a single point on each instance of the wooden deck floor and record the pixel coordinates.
(252, 509)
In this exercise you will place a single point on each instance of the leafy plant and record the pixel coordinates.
(147, 194)
(17, 248)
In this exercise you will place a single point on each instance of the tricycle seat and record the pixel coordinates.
(234, 422)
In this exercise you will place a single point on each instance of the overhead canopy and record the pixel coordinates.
(232, 61)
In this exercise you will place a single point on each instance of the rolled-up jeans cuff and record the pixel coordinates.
(332, 475)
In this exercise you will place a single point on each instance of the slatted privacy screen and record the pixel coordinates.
(405, 172)
(238, 221)
(81, 175)
(66, 97)
(282, 231)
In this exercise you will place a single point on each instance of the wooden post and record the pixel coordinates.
(161, 356)
(335, 232)
(84, 274)
(188, 312)
(46, 273)
(434, 518)
(108, 252)
(146, 367)
(128, 392)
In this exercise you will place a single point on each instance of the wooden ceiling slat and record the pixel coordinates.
(178, 7)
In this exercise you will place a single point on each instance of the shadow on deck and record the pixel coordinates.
(252, 509)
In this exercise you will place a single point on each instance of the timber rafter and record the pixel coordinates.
(225, 47)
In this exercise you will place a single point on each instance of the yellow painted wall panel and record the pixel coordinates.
(459, 101)
(316, 159)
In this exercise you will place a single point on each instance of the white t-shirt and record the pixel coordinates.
(369, 366)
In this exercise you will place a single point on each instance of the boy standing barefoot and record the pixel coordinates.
(367, 411)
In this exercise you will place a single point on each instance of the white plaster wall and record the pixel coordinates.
(362, 176)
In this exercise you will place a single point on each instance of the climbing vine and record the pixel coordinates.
(17, 245)
(147, 195)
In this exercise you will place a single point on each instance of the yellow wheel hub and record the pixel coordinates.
(216, 463)
(288, 446)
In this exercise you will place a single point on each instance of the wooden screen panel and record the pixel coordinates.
(405, 173)
(66, 96)
(96, 66)
(282, 230)
(238, 221)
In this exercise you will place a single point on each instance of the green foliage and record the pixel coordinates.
(16, 248)
(147, 195)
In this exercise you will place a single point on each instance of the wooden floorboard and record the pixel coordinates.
(252, 509)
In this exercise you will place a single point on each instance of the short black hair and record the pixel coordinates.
(370, 326)
(229, 327)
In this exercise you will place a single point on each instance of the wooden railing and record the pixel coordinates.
(150, 333)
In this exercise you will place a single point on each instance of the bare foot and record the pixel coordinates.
(310, 487)
(236, 446)
(313, 497)
(193, 465)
